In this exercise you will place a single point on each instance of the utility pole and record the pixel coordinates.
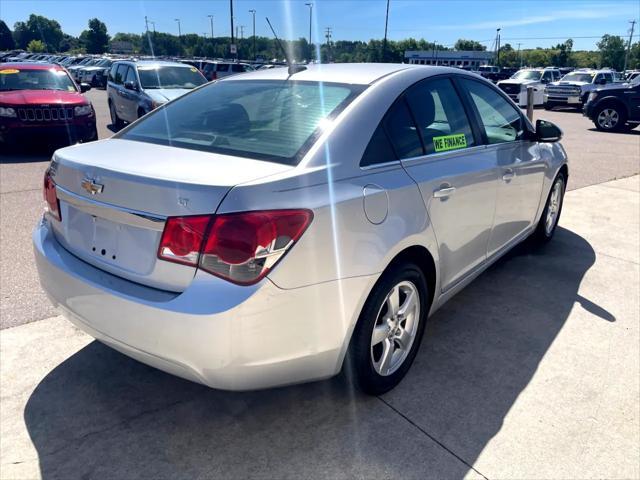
(384, 44)
(498, 47)
(255, 53)
(519, 55)
(232, 48)
(327, 35)
(179, 30)
(211, 21)
(310, 5)
(241, 31)
(626, 57)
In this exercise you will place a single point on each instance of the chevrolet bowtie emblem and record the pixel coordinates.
(91, 186)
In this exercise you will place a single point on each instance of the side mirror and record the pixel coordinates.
(84, 87)
(547, 131)
(130, 85)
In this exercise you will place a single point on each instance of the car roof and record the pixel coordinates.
(351, 73)
(31, 66)
(154, 63)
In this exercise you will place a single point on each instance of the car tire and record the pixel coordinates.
(548, 106)
(380, 332)
(610, 118)
(552, 209)
(115, 120)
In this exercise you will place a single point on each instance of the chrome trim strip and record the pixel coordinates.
(114, 213)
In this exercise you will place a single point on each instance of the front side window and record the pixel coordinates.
(546, 77)
(501, 122)
(23, 79)
(170, 77)
(440, 116)
(272, 120)
(131, 77)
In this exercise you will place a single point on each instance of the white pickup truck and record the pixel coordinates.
(516, 86)
(573, 89)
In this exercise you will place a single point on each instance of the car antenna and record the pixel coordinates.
(292, 67)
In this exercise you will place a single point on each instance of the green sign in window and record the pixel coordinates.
(449, 142)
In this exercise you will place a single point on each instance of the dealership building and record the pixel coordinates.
(454, 58)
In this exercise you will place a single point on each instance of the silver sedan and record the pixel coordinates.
(269, 228)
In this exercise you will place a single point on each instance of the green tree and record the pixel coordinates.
(40, 28)
(466, 45)
(612, 51)
(95, 39)
(36, 46)
(6, 38)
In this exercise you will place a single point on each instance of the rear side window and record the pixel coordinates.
(379, 149)
(222, 67)
(266, 119)
(501, 121)
(121, 73)
(440, 116)
(237, 68)
(112, 73)
(402, 131)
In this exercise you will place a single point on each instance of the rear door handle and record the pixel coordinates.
(509, 174)
(444, 192)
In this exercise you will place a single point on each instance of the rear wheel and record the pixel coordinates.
(389, 330)
(610, 118)
(115, 120)
(551, 215)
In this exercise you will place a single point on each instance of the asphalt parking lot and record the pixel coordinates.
(531, 372)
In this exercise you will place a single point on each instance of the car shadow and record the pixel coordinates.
(619, 132)
(101, 414)
(36, 152)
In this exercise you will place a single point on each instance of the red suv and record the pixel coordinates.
(41, 101)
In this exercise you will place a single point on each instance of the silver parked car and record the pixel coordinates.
(134, 88)
(262, 229)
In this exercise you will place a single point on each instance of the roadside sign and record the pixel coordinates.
(233, 48)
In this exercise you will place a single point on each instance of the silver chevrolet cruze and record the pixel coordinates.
(270, 228)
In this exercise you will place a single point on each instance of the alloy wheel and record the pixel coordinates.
(395, 328)
(608, 118)
(553, 207)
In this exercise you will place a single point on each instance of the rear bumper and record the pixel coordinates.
(215, 333)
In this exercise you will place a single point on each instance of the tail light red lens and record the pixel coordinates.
(239, 247)
(50, 196)
(182, 239)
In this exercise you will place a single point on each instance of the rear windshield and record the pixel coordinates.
(274, 120)
(170, 77)
(17, 79)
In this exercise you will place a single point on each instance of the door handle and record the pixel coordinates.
(509, 175)
(444, 192)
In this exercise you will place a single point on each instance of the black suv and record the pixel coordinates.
(616, 107)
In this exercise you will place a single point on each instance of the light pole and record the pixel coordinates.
(310, 5)
(211, 22)
(179, 30)
(233, 40)
(255, 53)
(498, 47)
(384, 45)
(153, 24)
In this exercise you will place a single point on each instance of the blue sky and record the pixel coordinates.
(531, 23)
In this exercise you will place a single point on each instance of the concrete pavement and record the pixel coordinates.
(531, 372)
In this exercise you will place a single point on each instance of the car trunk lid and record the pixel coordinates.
(115, 196)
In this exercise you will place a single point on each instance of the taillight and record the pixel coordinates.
(50, 196)
(239, 247)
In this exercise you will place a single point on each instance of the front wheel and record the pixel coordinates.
(551, 214)
(389, 330)
(610, 118)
